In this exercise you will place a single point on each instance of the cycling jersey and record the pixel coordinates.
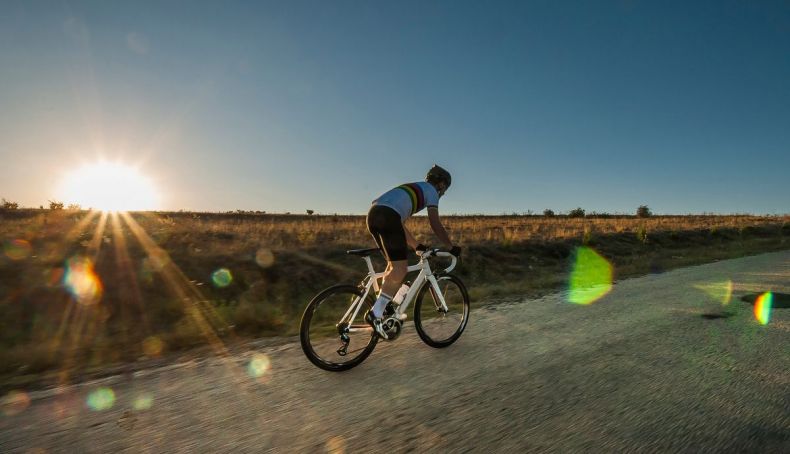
(409, 198)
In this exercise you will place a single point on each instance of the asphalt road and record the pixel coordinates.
(657, 365)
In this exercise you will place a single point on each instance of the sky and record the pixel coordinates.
(285, 106)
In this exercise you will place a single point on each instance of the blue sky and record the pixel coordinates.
(287, 106)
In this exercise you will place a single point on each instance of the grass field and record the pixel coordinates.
(81, 290)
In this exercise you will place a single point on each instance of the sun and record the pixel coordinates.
(109, 186)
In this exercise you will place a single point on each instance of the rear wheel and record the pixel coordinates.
(327, 340)
(437, 327)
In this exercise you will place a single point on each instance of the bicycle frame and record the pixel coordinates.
(371, 281)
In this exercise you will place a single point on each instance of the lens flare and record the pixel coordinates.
(258, 366)
(264, 258)
(762, 308)
(101, 399)
(17, 249)
(153, 346)
(719, 291)
(222, 277)
(143, 402)
(591, 277)
(81, 281)
(14, 402)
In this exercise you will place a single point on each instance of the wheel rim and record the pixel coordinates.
(438, 326)
(323, 336)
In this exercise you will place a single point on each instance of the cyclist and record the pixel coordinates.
(385, 221)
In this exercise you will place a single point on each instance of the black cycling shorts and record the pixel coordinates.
(385, 225)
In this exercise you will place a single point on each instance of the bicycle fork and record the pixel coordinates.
(438, 298)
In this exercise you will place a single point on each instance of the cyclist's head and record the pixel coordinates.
(440, 178)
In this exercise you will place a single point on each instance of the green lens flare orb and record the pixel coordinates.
(222, 277)
(591, 277)
(101, 399)
(258, 366)
(762, 308)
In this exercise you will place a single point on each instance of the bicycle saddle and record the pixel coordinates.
(362, 252)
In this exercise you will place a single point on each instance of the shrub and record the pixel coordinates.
(8, 205)
(576, 213)
(549, 213)
(643, 211)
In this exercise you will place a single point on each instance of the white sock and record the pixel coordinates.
(381, 303)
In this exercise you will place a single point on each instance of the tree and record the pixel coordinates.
(549, 213)
(310, 212)
(576, 213)
(55, 205)
(643, 212)
(8, 205)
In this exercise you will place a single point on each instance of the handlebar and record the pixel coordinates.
(440, 253)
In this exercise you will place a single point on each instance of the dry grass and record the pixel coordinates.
(240, 232)
(166, 297)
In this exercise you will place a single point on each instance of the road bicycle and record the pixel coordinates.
(335, 336)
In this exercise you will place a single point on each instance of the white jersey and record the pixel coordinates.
(409, 198)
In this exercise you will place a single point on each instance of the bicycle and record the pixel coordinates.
(441, 312)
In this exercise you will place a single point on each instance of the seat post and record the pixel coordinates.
(370, 264)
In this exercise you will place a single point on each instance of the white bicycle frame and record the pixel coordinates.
(371, 281)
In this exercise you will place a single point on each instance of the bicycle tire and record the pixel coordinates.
(427, 318)
(315, 335)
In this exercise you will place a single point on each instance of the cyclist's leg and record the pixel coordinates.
(387, 229)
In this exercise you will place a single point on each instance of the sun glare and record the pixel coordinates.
(109, 187)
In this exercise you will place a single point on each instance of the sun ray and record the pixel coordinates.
(75, 315)
(195, 304)
(98, 235)
(59, 251)
(127, 275)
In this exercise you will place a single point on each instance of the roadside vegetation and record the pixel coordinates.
(79, 290)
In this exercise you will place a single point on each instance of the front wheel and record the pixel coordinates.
(328, 339)
(436, 326)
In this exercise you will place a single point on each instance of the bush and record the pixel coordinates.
(548, 213)
(576, 213)
(643, 211)
(8, 205)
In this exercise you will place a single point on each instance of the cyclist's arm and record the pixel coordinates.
(438, 228)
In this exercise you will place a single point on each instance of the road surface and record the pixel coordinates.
(658, 364)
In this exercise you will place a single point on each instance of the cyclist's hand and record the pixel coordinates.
(456, 251)
(421, 248)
